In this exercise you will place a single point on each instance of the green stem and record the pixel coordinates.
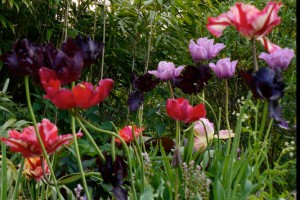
(124, 145)
(103, 38)
(263, 120)
(90, 138)
(254, 55)
(150, 40)
(227, 115)
(15, 194)
(78, 158)
(3, 172)
(170, 89)
(215, 116)
(177, 144)
(235, 144)
(45, 155)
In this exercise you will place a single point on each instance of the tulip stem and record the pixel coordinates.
(26, 80)
(123, 143)
(171, 89)
(86, 133)
(227, 115)
(15, 194)
(103, 39)
(254, 55)
(78, 157)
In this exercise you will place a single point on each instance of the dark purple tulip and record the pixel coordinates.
(135, 100)
(114, 173)
(141, 84)
(92, 50)
(193, 79)
(26, 58)
(267, 84)
(67, 66)
(144, 83)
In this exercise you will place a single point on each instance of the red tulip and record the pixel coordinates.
(83, 95)
(249, 21)
(181, 110)
(28, 145)
(126, 133)
(33, 168)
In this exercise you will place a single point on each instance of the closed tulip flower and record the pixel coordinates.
(224, 68)
(127, 133)
(166, 71)
(181, 110)
(280, 58)
(204, 49)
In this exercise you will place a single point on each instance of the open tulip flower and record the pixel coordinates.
(33, 168)
(202, 128)
(180, 109)
(249, 21)
(166, 71)
(28, 145)
(127, 133)
(204, 49)
(280, 58)
(83, 95)
(224, 68)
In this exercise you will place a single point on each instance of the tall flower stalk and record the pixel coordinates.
(38, 135)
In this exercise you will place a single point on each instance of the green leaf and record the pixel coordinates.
(158, 38)
(147, 193)
(11, 26)
(3, 22)
(147, 3)
(5, 85)
(160, 1)
(218, 190)
(8, 123)
(2, 108)
(48, 34)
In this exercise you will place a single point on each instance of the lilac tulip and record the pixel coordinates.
(166, 71)
(224, 68)
(280, 58)
(204, 49)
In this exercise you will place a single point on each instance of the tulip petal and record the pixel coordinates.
(216, 25)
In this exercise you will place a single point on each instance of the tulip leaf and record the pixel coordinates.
(3, 22)
(8, 123)
(48, 34)
(218, 190)
(147, 3)
(147, 193)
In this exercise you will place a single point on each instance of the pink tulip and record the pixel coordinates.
(249, 21)
(28, 145)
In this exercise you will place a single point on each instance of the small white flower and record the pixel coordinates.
(286, 144)
(291, 154)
